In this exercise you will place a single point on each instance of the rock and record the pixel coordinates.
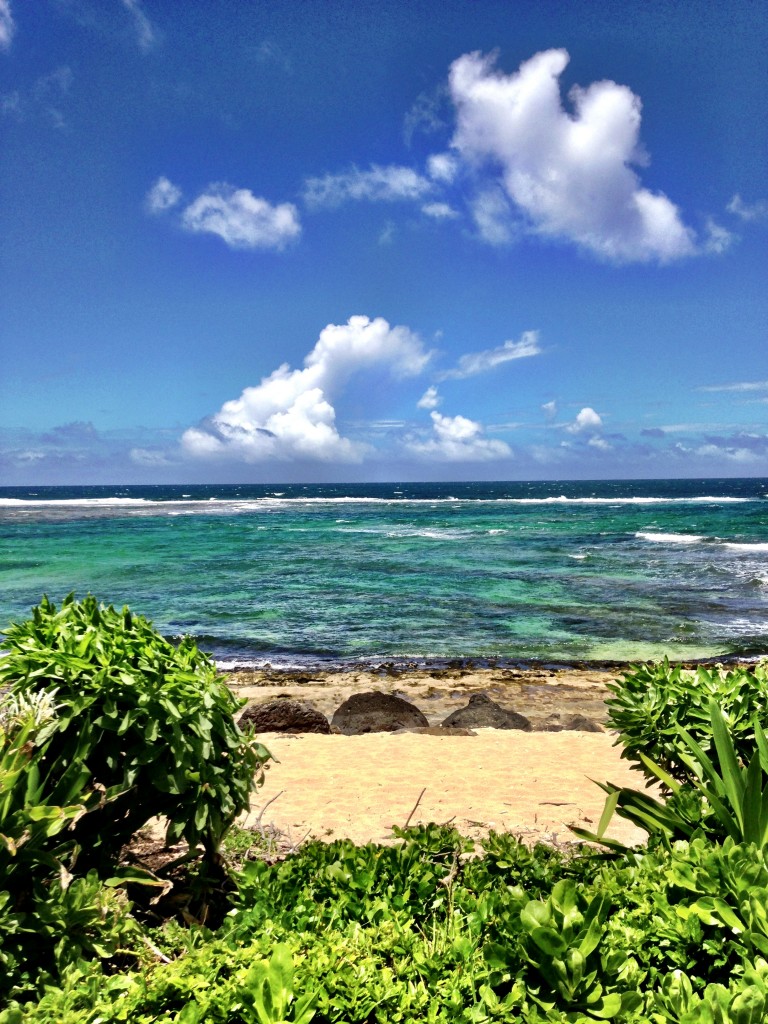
(558, 722)
(376, 712)
(482, 712)
(283, 714)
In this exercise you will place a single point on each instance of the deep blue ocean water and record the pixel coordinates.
(294, 575)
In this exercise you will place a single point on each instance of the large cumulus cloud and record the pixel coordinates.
(571, 175)
(290, 415)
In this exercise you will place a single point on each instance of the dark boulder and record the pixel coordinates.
(376, 712)
(283, 714)
(483, 713)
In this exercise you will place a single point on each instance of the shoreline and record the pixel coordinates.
(535, 693)
(534, 690)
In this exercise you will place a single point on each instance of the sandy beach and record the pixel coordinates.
(534, 784)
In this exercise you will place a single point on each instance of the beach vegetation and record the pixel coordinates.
(656, 706)
(150, 723)
(104, 726)
(431, 928)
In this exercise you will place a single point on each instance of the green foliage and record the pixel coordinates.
(47, 917)
(431, 931)
(729, 799)
(652, 703)
(104, 725)
(141, 716)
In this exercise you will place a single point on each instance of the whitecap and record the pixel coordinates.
(670, 538)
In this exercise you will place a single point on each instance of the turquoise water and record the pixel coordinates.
(296, 575)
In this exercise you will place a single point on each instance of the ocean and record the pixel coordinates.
(299, 576)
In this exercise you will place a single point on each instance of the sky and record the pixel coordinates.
(351, 241)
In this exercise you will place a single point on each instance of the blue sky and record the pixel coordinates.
(312, 241)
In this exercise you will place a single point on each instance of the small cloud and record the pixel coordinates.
(379, 184)
(717, 238)
(430, 399)
(750, 385)
(48, 92)
(241, 219)
(480, 362)
(600, 443)
(78, 432)
(440, 211)
(457, 439)
(587, 419)
(442, 167)
(550, 409)
(7, 25)
(150, 457)
(427, 115)
(146, 35)
(162, 196)
(387, 234)
(748, 211)
(493, 217)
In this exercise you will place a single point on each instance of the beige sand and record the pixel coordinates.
(532, 784)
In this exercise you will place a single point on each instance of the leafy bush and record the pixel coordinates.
(103, 726)
(149, 722)
(729, 799)
(47, 917)
(652, 703)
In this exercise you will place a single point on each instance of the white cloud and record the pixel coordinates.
(149, 457)
(7, 25)
(717, 239)
(146, 36)
(379, 184)
(493, 217)
(587, 419)
(600, 443)
(426, 114)
(162, 196)
(732, 454)
(289, 415)
(748, 211)
(430, 399)
(749, 385)
(457, 439)
(550, 409)
(442, 167)
(479, 362)
(440, 211)
(570, 174)
(241, 219)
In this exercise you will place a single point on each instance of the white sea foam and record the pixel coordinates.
(670, 538)
(80, 502)
(277, 500)
(734, 546)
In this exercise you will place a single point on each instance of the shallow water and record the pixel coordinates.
(292, 574)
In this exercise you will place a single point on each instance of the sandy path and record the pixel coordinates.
(533, 784)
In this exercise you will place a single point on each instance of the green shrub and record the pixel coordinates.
(651, 703)
(151, 723)
(718, 800)
(48, 918)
